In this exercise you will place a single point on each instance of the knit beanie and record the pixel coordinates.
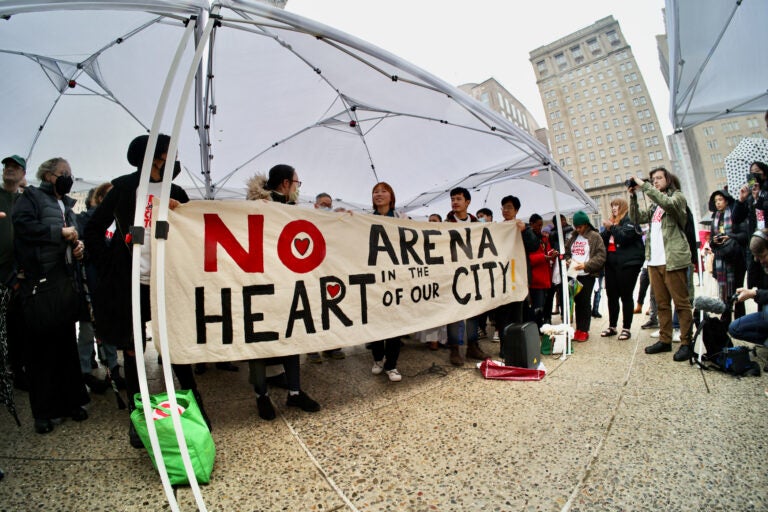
(580, 218)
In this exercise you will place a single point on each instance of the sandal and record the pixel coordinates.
(625, 335)
(611, 331)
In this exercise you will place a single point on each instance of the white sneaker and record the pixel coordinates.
(378, 367)
(656, 333)
(496, 336)
(676, 335)
(394, 375)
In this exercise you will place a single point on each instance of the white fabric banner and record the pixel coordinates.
(254, 279)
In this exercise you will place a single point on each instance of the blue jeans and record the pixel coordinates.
(470, 331)
(752, 327)
(85, 340)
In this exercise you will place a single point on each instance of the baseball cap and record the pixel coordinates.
(17, 159)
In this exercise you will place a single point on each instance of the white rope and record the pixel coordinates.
(322, 471)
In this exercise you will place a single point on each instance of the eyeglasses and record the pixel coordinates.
(298, 183)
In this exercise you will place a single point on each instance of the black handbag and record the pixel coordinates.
(728, 250)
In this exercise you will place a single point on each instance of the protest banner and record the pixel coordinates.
(254, 279)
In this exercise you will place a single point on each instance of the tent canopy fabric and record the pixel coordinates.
(273, 88)
(716, 59)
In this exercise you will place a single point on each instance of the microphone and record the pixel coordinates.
(709, 305)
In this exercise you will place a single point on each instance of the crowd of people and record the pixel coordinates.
(59, 270)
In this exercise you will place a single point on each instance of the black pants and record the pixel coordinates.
(258, 372)
(183, 372)
(56, 386)
(619, 286)
(389, 348)
(508, 314)
(582, 303)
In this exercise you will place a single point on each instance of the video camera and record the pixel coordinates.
(629, 183)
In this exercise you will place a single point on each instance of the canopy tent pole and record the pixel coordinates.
(161, 233)
(137, 240)
(566, 315)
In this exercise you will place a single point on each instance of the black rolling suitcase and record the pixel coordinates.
(521, 345)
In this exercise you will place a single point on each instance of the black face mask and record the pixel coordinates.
(176, 170)
(63, 185)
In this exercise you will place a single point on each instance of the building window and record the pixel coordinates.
(542, 67)
(593, 46)
(560, 60)
(578, 57)
(586, 183)
(613, 37)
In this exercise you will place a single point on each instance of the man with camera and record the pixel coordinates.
(668, 255)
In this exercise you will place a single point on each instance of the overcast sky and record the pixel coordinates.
(464, 42)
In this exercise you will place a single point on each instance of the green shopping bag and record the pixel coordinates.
(202, 451)
(546, 344)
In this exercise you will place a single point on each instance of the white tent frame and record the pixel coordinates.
(716, 69)
(207, 21)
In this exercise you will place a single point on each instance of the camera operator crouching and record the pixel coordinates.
(754, 326)
(668, 256)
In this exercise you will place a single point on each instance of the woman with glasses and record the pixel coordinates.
(47, 245)
(282, 186)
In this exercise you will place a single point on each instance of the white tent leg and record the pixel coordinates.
(159, 270)
(138, 221)
(561, 262)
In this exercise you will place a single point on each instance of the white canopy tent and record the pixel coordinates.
(276, 88)
(716, 59)
(86, 76)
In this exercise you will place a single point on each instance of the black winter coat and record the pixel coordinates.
(37, 221)
(630, 249)
(112, 293)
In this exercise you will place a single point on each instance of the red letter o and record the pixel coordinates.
(287, 241)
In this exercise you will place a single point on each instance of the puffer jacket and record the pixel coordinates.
(37, 222)
(672, 201)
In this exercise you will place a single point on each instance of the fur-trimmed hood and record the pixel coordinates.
(256, 188)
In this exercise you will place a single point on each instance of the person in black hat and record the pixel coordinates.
(112, 294)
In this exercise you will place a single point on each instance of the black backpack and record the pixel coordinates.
(721, 354)
(690, 235)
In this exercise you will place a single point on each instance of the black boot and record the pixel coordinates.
(199, 400)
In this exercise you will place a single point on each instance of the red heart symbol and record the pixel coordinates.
(301, 245)
(333, 289)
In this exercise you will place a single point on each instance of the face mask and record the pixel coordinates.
(325, 208)
(481, 219)
(176, 170)
(63, 185)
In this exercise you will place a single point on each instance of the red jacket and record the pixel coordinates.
(540, 266)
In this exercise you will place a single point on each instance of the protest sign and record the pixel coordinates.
(254, 279)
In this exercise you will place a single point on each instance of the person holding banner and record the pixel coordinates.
(112, 255)
(512, 313)
(460, 199)
(282, 186)
(385, 352)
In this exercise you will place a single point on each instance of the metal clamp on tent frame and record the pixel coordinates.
(161, 229)
(135, 235)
